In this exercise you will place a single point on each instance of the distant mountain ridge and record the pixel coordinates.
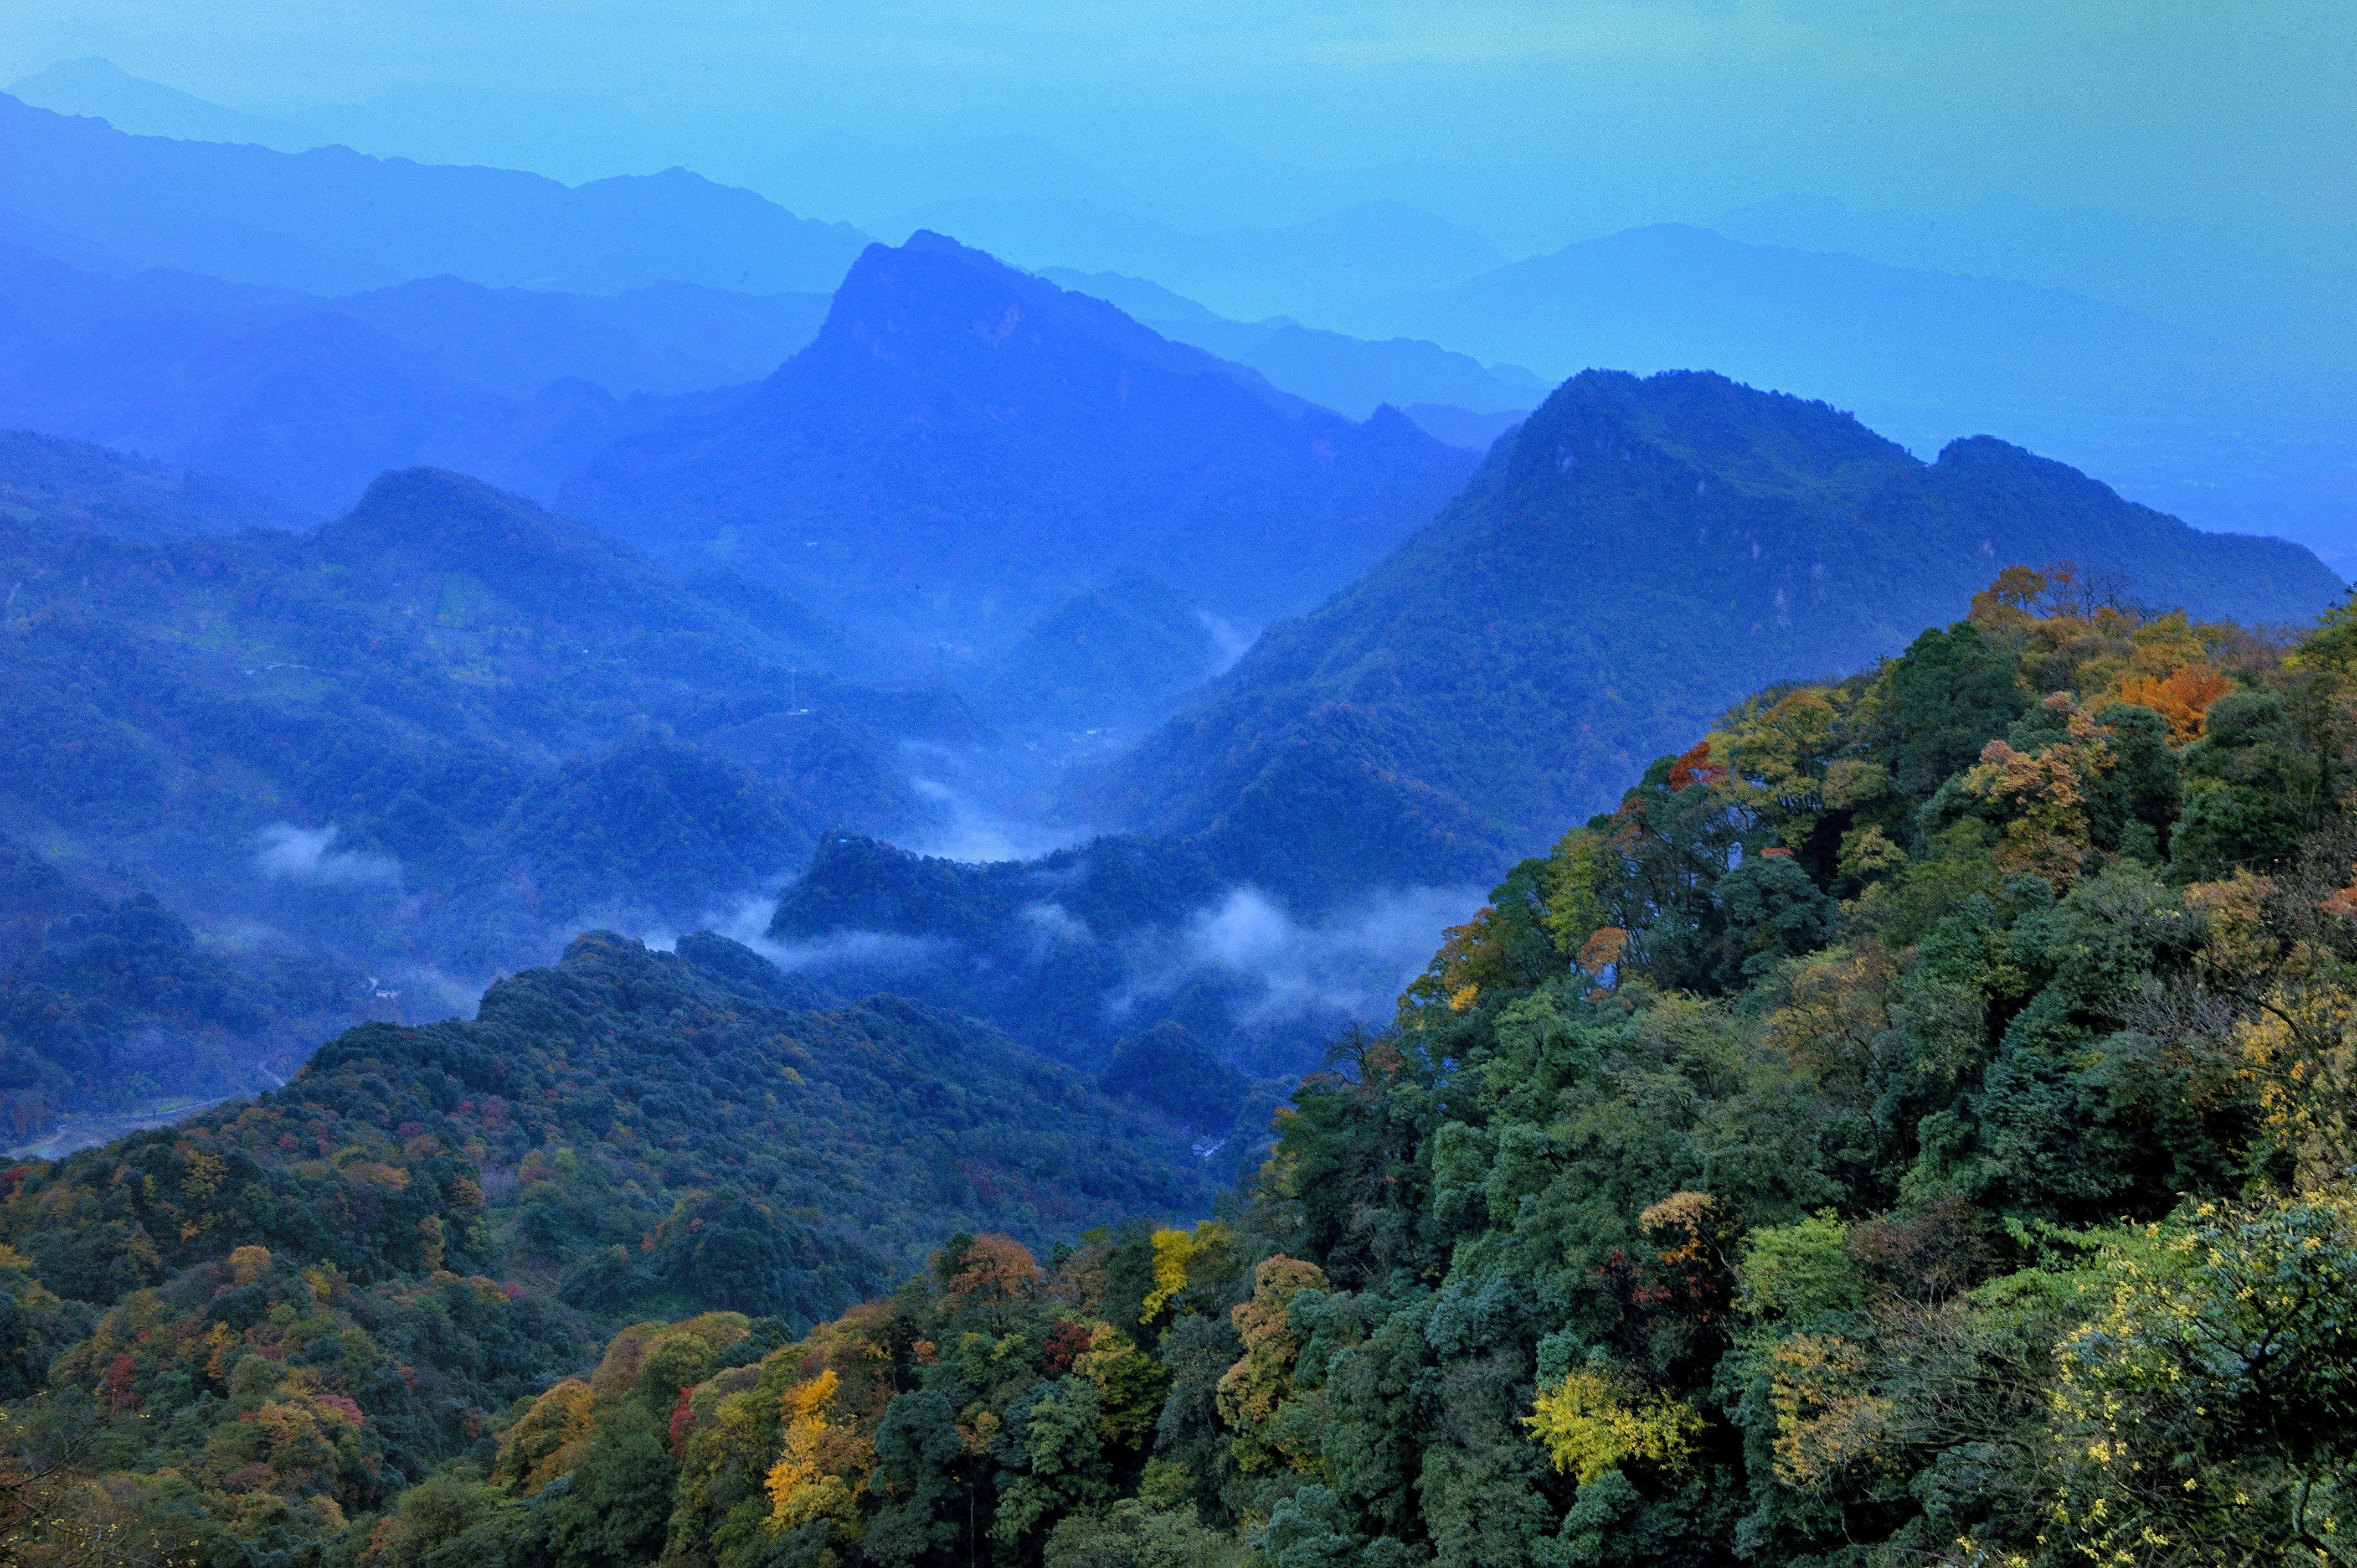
(62, 486)
(1348, 375)
(964, 446)
(306, 400)
(1672, 294)
(330, 221)
(1639, 554)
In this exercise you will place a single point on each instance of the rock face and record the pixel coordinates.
(966, 446)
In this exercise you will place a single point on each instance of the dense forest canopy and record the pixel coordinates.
(1913, 1125)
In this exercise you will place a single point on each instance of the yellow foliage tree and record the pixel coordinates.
(807, 1482)
(1173, 1250)
(545, 1440)
(2182, 697)
(1251, 1391)
(1590, 1424)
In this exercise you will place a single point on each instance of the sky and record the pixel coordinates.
(2190, 111)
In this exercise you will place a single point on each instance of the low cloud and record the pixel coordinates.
(1229, 639)
(964, 830)
(745, 919)
(1354, 963)
(1051, 926)
(289, 853)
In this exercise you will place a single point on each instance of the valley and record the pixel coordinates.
(1074, 883)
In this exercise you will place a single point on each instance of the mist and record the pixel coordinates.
(1667, 109)
(1353, 964)
(289, 853)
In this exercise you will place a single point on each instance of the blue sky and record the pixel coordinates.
(2190, 111)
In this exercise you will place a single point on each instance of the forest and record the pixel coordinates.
(1913, 1126)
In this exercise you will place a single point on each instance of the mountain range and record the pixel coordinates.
(2138, 352)
(303, 400)
(432, 734)
(964, 446)
(330, 221)
(831, 580)
(1635, 557)
(607, 809)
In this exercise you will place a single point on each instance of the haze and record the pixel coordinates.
(1668, 111)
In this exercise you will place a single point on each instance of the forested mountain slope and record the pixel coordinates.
(59, 486)
(111, 1005)
(434, 736)
(966, 446)
(1120, 653)
(308, 1302)
(332, 221)
(1637, 556)
(1913, 1126)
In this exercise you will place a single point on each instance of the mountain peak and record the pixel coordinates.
(937, 297)
(965, 445)
(1644, 552)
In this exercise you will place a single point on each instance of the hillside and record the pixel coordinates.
(59, 487)
(110, 1006)
(1121, 653)
(435, 737)
(316, 1298)
(964, 446)
(1638, 555)
(330, 221)
(1911, 1126)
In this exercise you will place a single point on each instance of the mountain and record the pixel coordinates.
(306, 399)
(311, 1301)
(62, 486)
(964, 447)
(330, 221)
(2205, 426)
(1354, 377)
(2251, 281)
(1113, 655)
(112, 1010)
(434, 736)
(1368, 250)
(1637, 556)
(103, 90)
(1669, 295)
(1346, 374)
(776, 1150)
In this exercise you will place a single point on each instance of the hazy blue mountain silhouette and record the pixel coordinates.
(1348, 375)
(59, 487)
(1670, 294)
(1366, 250)
(307, 399)
(332, 221)
(964, 446)
(2251, 281)
(1638, 555)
